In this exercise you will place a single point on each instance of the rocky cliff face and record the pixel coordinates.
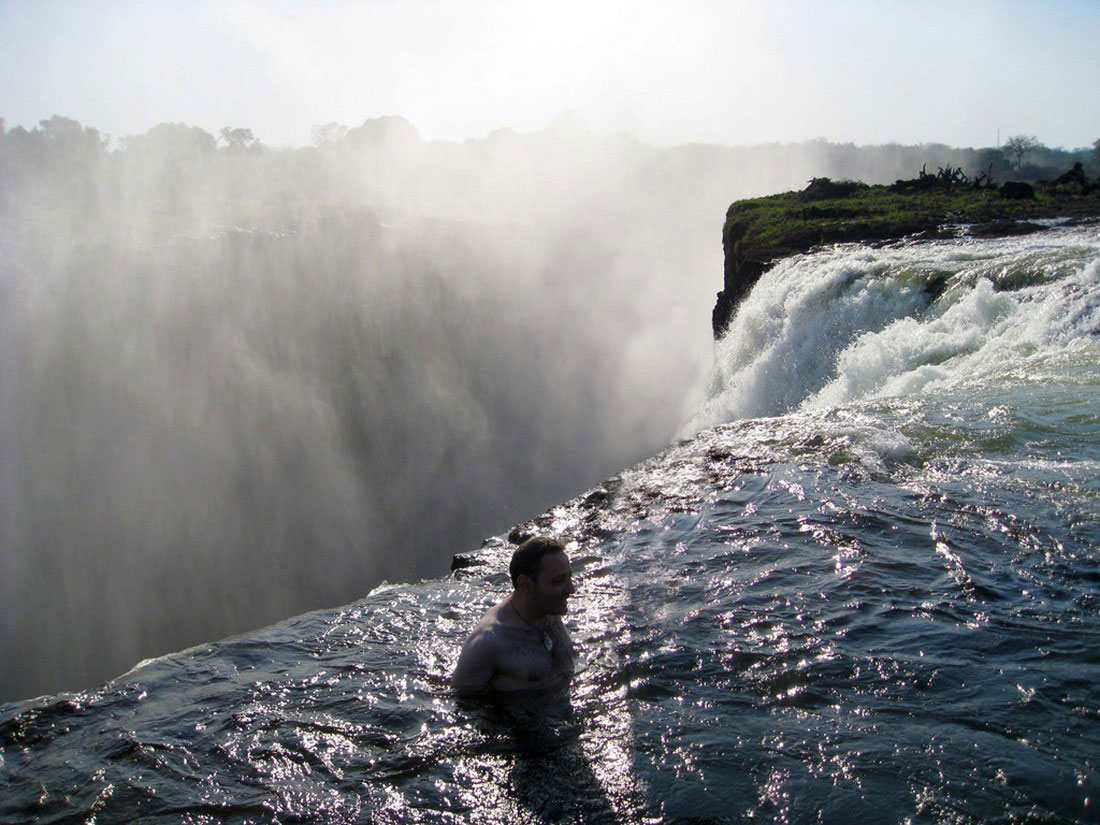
(739, 275)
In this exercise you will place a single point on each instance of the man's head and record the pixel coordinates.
(541, 572)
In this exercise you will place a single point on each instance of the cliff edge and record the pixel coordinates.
(760, 231)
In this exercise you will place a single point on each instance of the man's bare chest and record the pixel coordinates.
(533, 657)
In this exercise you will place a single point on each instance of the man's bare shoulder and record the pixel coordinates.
(487, 632)
(482, 652)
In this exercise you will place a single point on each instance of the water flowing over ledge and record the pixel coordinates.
(758, 232)
(876, 600)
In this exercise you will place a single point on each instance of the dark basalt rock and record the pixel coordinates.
(1004, 229)
(1017, 190)
(739, 277)
(460, 561)
(520, 534)
(597, 497)
(825, 189)
(1076, 176)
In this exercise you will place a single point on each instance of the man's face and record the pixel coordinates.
(554, 585)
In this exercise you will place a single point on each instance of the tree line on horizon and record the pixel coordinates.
(272, 421)
(62, 163)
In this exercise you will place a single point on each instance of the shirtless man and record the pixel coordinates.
(521, 643)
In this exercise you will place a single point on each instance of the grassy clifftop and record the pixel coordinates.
(760, 231)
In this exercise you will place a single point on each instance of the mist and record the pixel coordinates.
(241, 383)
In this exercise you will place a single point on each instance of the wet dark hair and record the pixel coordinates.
(527, 560)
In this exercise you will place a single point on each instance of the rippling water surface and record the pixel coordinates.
(882, 608)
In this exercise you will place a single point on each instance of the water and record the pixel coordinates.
(875, 599)
(204, 434)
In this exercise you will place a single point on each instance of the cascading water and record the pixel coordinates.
(239, 383)
(858, 323)
(868, 593)
(233, 391)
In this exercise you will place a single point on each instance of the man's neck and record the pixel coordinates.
(524, 610)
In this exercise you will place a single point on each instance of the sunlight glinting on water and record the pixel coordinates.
(884, 609)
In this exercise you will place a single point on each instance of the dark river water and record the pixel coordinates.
(874, 600)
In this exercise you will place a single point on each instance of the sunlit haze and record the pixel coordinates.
(241, 381)
(717, 72)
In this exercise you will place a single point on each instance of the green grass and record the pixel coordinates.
(781, 225)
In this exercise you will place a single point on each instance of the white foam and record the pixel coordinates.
(853, 323)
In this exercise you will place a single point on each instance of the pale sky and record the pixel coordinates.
(714, 71)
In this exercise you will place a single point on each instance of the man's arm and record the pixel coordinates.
(476, 664)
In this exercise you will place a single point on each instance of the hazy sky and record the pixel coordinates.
(724, 71)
